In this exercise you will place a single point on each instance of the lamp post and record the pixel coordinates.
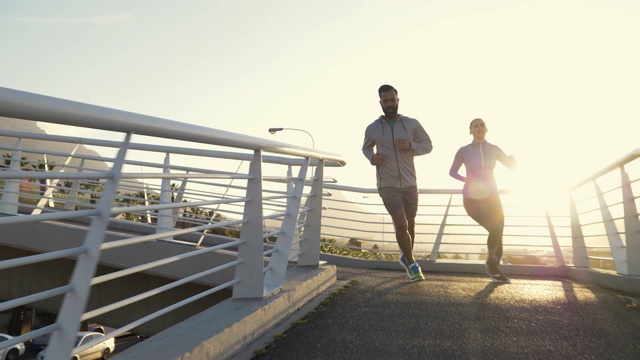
(275, 130)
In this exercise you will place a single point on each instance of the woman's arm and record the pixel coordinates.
(508, 161)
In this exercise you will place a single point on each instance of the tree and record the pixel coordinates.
(224, 231)
(43, 166)
(67, 184)
(95, 188)
(524, 260)
(354, 242)
(24, 165)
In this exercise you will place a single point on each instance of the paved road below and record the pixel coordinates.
(383, 316)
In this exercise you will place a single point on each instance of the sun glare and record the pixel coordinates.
(537, 192)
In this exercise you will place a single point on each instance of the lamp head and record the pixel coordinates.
(274, 130)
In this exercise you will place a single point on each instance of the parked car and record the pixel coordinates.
(100, 351)
(41, 342)
(12, 353)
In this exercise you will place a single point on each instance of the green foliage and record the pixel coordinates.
(223, 231)
(6, 157)
(327, 246)
(330, 246)
(524, 260)
(95, 188)
(600, 262)
(91, 190)
(454, 256)
(42, 165)
(355, 242)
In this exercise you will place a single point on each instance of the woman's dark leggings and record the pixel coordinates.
(489, 214)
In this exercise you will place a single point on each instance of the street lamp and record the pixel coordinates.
(275, 130)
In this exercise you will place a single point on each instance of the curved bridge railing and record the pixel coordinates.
(232, 213)
(203, 190)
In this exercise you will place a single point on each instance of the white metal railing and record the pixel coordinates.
(152, 180)
(177, 180)
(604, 217)
(599, 230)
(443, 229)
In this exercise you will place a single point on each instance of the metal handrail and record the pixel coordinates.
(258, 207)
(88, 196)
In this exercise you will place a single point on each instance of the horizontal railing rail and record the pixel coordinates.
(363, 228)
(604, 217)
(129, 194)
(198, 206)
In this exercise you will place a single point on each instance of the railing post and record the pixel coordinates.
(165, 222)
(75, 301)
(47, 197)
(294, 251)
(276, 271)
(146, 202)
(436, 244)
(289, 175)
(72, 197)
(178, 199)
(250, 271)
(11, 192)
(310, 248)
(580, 255)
(615, 241)
(48, 190)
(631, 225)
(554, 241)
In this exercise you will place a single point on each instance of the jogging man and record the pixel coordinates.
(390, 144)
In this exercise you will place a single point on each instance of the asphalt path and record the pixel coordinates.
(373, 314)
(381, 315)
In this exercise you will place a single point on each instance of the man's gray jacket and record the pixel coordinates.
(397, 169)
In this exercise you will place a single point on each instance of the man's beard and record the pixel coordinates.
(390, 112)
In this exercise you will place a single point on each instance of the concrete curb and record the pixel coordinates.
(220, 331)
(603, 278)
(446, 266)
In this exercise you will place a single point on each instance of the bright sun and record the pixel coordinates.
(537, 191)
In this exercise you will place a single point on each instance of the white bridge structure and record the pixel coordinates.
(146, 224)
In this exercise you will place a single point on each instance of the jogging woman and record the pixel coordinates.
(480, 192)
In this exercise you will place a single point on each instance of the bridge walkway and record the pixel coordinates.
(374, 314)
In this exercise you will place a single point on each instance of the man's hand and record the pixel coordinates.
(377, 160)
(403, 144)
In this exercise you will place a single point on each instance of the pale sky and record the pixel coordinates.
(557, 82)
